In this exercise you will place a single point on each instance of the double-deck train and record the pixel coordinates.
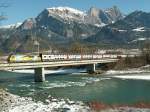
(43, 58)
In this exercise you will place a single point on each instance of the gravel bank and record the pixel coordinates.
(5, 100)
(13, 103)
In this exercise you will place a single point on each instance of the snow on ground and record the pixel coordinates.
(100, 25)
(24, 104)
(139, 29)
(121, 72)
(20, 104)
(142, 73)
(139, 39)
(137, 77)
(122, 30)
(50, 71)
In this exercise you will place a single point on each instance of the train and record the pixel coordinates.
(16, 58)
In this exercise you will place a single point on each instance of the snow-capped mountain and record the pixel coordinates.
(65, 21)
(67, 13)
(94, 16)
(59, 26)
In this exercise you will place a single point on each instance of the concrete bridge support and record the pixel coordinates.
(39, 75)
(91, 68)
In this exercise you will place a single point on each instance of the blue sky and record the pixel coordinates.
(20, 10)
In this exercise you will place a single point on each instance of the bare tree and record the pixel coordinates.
(146, 51)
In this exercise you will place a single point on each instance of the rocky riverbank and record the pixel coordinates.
(13, 103)
(5, 100)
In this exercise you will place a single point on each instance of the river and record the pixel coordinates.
(78, 87)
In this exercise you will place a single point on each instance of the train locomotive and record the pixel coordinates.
(23, 58)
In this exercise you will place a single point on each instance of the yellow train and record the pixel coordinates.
(23, 58)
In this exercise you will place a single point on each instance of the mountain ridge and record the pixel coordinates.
(63, 26)
(130, 31)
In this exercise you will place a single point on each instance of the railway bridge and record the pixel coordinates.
(39, 67)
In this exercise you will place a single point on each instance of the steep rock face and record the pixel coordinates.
(28, 24)
(93, 17)
(114, 14)
(104, 17)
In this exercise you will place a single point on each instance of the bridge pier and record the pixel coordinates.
(91, 68)
(39, 75)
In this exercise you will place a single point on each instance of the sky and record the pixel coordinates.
(19, 10)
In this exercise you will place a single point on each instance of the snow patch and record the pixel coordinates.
(113, 22)
(115, 72)
(66, 9)
(141, 73)
(122, 30)
(11, 26)
(135, 77)
(139, 39)
(52, 105)
(67, 13)
(100, 25)
(49, 71)
(139, 29)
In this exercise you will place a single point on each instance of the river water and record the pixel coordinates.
(78, 87)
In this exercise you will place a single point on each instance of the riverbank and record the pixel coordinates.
(6, 99)
(134, 73)
(14, 103)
